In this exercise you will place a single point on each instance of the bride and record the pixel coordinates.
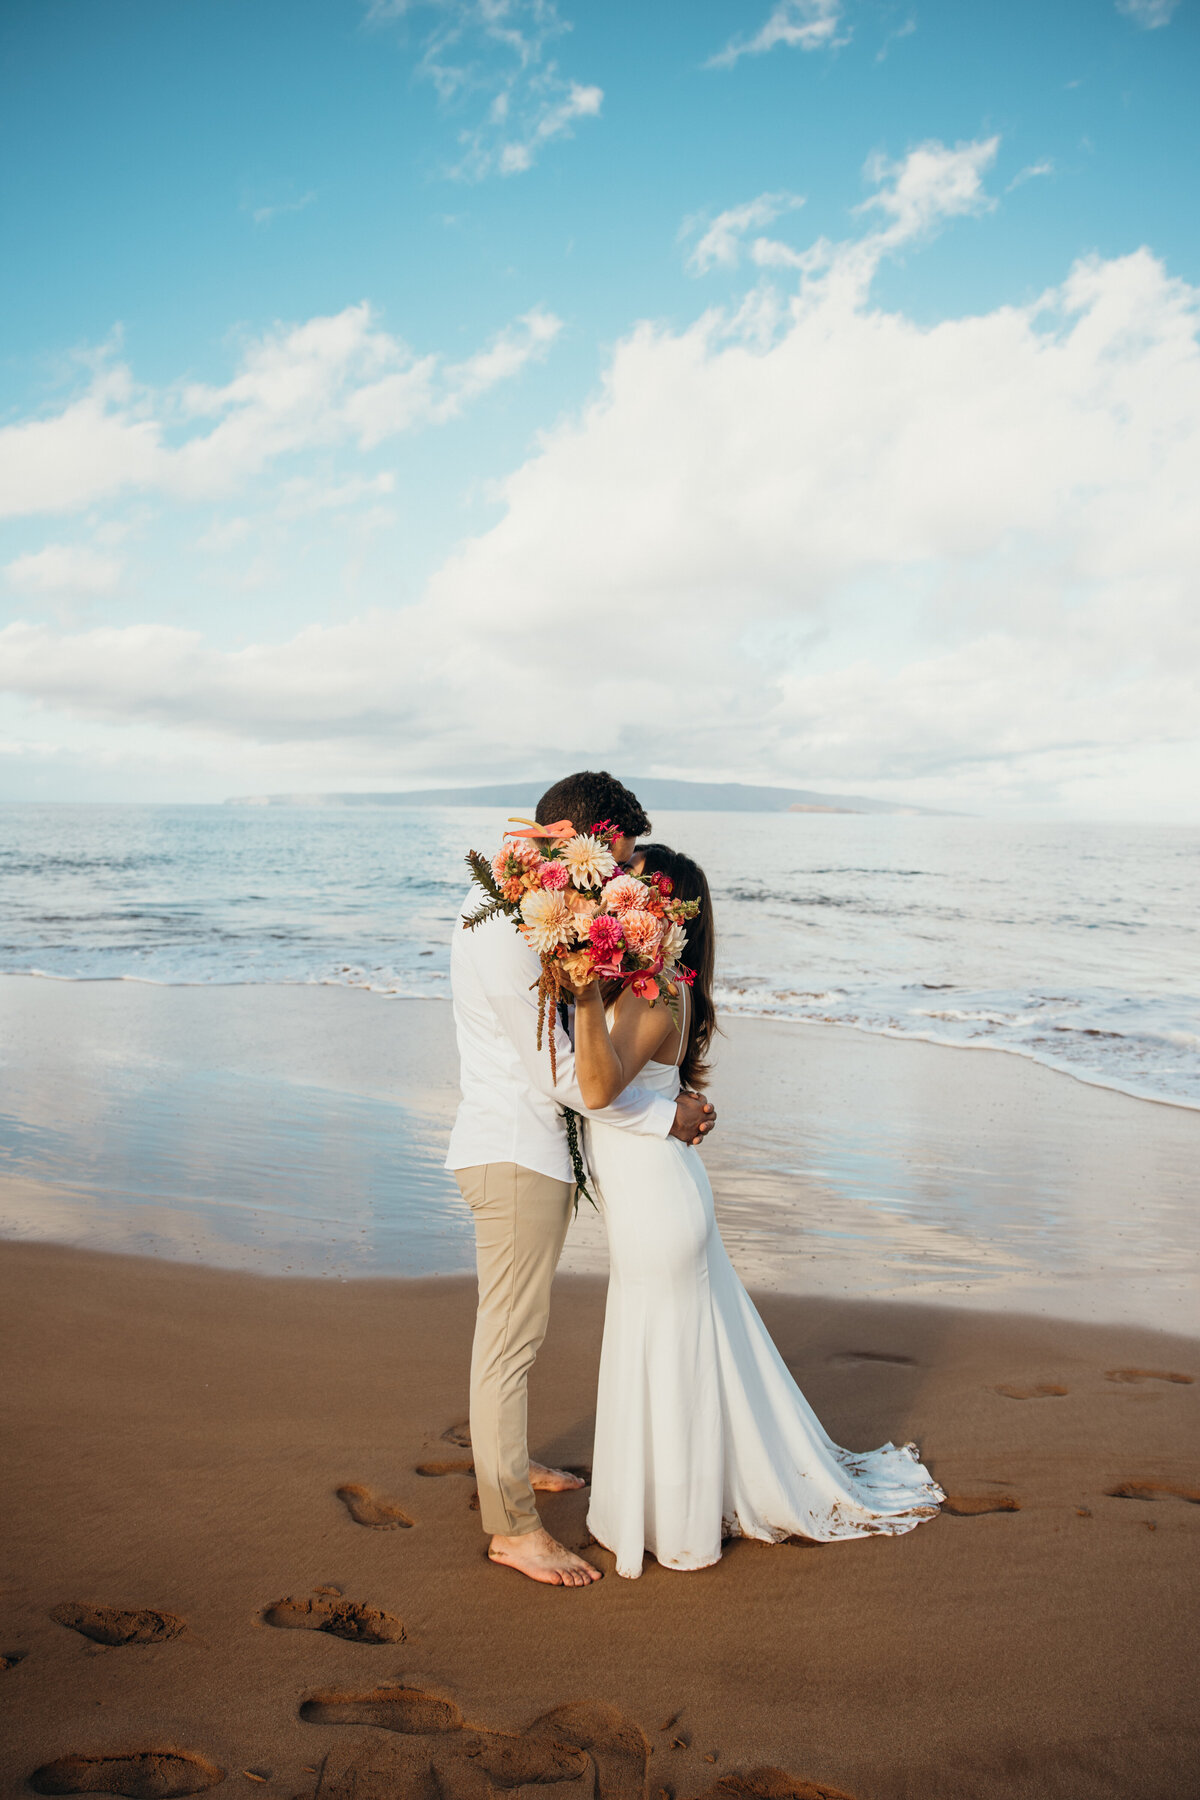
(701, 1433)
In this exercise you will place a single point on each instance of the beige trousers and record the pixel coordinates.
(521, 1220)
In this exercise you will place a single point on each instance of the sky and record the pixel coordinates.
(398, 393)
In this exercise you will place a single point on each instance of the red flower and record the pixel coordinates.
(645, 986)
(605, 934)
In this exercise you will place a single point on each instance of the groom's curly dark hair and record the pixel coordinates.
(588, 798)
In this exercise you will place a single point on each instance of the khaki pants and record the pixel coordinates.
(521, 1220)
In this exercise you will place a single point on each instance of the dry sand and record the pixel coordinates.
(175, 1439)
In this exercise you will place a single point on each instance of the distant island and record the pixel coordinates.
(655, 793)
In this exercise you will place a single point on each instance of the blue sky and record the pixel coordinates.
(581, 368)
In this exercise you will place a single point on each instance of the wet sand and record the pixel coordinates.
(302, 1129)
(176, 1438)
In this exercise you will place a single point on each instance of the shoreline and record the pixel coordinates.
(301, 1129)
(182, 1445)
(1113, 1086)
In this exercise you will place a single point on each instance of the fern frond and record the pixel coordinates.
(481, 872)
(487, 911)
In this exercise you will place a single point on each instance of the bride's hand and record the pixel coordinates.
(576, 983)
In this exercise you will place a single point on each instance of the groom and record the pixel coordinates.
(509, 1152)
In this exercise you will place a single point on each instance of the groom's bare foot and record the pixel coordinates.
(542, 1558)
(553, 1481)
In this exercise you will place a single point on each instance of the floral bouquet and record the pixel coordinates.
(588, 919)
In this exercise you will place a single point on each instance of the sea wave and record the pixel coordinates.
(1075, 946)
(1149, 1057)
(1156, 1062)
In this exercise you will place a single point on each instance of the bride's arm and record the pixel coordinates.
(606, 1062)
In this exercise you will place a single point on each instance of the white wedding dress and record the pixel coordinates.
(701, 1433)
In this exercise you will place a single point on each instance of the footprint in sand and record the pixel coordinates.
(142, 1775)
(969, 1506)
(1149, 1375)
(349, 1619)
(390, 1708)
(366, 1507)
(11, 1659)
(471, 1763)
(1153, 1490)
(433, 1750)
(771, 1784)
(851, 1359)
(114, 1625)
(1044, 1390)
(459, 1434)
(457, 1466)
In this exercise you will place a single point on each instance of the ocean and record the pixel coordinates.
(1077, 945)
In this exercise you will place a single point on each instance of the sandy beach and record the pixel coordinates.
(962, 1249)
(176, 1439)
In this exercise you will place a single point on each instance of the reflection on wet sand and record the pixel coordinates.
(302, 1129)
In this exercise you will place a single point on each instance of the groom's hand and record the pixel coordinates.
(694, 1118)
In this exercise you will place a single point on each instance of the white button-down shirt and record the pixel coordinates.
(510, 1111)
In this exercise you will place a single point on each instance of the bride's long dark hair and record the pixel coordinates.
(690, 883)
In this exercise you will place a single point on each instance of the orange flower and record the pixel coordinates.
(642, 929)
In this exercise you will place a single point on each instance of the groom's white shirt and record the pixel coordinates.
(509, 1111)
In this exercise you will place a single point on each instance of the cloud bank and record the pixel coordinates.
(330, 381)
(802, 539)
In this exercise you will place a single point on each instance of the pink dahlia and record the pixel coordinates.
(605, 934)
(554, 875)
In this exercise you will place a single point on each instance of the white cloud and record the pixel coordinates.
(818, 543)
(552, 119)
(894, 37)
(1149, 14)
(1030, 173)
(262, 215)
(326, 382)
(930, 185)
(492, 55)
(796, 24)
(70, 570)
(721, 244)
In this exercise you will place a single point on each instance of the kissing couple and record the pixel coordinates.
(701, 1432)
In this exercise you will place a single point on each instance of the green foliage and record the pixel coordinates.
(481, 871)
(487, 911)
(578, 1168)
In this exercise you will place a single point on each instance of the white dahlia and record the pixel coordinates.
(673, 944)
(588, 859)
(548, 920)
